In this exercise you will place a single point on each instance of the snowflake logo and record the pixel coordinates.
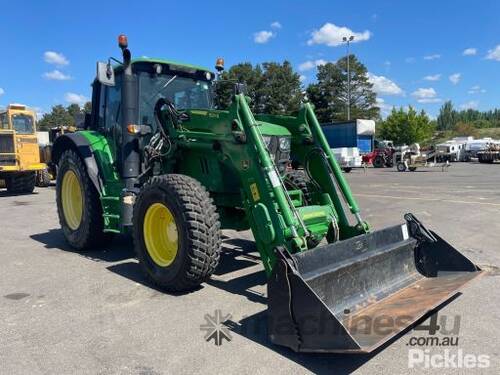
(215, 329)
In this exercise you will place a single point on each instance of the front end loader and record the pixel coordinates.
(158, 160)
(19, 152)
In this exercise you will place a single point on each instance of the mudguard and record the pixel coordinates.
(82, 147)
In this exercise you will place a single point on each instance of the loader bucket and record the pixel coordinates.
(354, 295)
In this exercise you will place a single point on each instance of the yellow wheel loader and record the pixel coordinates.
(19, 151)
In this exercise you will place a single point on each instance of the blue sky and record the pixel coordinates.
(414, 50)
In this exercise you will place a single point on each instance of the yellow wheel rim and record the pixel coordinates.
(72, 199)
(160, 234)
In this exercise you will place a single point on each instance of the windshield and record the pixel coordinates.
(184, 92)
(22, 124)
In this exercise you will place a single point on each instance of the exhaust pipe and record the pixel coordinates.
(129, 155)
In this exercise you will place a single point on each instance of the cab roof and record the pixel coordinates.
(168, 62)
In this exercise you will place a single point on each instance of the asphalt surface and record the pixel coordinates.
(93, 313)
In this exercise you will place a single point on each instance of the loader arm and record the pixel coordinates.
(286, 226)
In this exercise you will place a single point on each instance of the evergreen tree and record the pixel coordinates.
(330, 93)
(58, 116)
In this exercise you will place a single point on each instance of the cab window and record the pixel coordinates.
(22, 124)
(109, 112)
(4, 123)
(113, 104)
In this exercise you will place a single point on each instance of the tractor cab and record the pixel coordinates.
(185, 86)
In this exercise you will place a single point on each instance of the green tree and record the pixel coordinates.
(241, 73)
(280, 91)
(447, 116)
(330, 93)
(482, 123)
(406, 127)
(87, 108)
(73, 110)
(58, 116)
(272, 87)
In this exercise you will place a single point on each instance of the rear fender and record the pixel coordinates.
(81, 146)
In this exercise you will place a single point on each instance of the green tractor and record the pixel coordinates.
(157, 159)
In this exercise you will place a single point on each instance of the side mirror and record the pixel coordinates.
(105, 74)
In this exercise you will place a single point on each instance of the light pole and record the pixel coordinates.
(348, 40)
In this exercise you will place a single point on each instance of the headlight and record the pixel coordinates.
(285, 144)
(267, 140)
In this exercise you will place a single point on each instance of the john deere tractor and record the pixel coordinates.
(157, 159)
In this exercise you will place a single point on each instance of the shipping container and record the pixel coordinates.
(357, 133)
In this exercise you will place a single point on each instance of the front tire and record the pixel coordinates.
(401, 167)
(21, 183)
(176, 231)
(297, 180)
(78, 204)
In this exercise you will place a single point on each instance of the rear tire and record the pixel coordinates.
(177, 235)
(21, 183)
(401, 167)
(347, 170)
(87, 232)
(43, 178)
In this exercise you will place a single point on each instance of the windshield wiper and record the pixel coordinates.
(165, 85)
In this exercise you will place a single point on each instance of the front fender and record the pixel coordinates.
(80, 144)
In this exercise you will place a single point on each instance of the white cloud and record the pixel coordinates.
(426, 95)
(332, 35)
(302, 78)
(385, 108)
(55, 58)
(2, 91)
(310, 64)
(472, 104)
(39, 112)
(384, 86)
(469, 51)
(56, 75)
(262, 37)
(476, 90)
(410, 60)
(455, 78)
(494, 54)
(429, 100)
(432, 57)
(73, 98)
(434, 77)
(276, 25)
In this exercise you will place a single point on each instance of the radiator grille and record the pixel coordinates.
(7, 146)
